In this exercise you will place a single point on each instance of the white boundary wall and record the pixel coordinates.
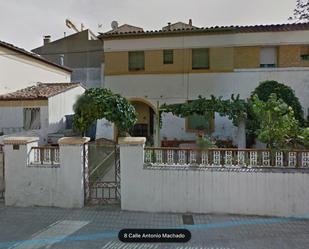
(201, 191)
(43, 185)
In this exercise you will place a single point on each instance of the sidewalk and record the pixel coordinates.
(97, 227)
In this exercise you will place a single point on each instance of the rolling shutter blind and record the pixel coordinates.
(268, 57)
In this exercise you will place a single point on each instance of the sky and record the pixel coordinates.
(25, 22)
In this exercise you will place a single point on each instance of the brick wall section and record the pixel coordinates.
(289, 56)
(246, 57)
(221, 58)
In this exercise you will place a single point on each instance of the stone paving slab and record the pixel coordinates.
(97, 227)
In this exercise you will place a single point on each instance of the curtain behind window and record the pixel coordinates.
(200, 58)
(136, 60)
(32, 119)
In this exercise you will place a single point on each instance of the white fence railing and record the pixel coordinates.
(48, 155)
(222, 157)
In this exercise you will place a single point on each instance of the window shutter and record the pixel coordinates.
(268, 56)
(168, 56)
(136, 60)
(200, 58)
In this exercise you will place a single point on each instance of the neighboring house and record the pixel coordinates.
(125, 28)
(155, 67)
(38, 110)
(179, 26)
(20, 68)
(81, 51)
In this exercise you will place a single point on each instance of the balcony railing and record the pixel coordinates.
(47, 155)
(222, 157)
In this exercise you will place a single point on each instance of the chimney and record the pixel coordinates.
(62, 59)
(169, 26)
(46, 39)
(190, 23)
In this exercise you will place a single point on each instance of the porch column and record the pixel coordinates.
(17, 186)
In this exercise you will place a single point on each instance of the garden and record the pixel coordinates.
(272, 115)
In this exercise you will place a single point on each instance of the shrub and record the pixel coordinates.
(286, 93)
(278, 126)
(205, 141)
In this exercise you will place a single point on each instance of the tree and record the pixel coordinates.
(278, 126)
(284, 92)
(301, 11)
(263, 92)
(98, 103)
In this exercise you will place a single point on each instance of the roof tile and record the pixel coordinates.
(39, 91)
(219, 29)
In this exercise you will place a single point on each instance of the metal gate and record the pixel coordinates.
(102, 172)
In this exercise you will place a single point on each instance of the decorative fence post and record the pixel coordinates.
(16, 151)
(131, 166)
(72, 159)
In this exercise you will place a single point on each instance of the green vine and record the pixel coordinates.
(98, 103)
(234, 108)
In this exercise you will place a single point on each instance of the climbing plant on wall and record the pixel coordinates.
(98, 103)
(234, 108)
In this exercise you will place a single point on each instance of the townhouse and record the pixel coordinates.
(177, 65)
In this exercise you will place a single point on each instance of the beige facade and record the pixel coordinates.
(290, 56)
(117, 63)
(221, 59)
(247, 57)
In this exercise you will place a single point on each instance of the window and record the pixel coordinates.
(136, 61)
(168, 56)
(304, 53)
(198, 122)
(268, 57)
(200, 58)
(32, 119)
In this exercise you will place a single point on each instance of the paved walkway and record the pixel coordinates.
(97, 227)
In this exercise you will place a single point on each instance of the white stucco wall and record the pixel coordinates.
(61, 105)
(178, 88)
(18, 71)
(200, 191)
(39, 186)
